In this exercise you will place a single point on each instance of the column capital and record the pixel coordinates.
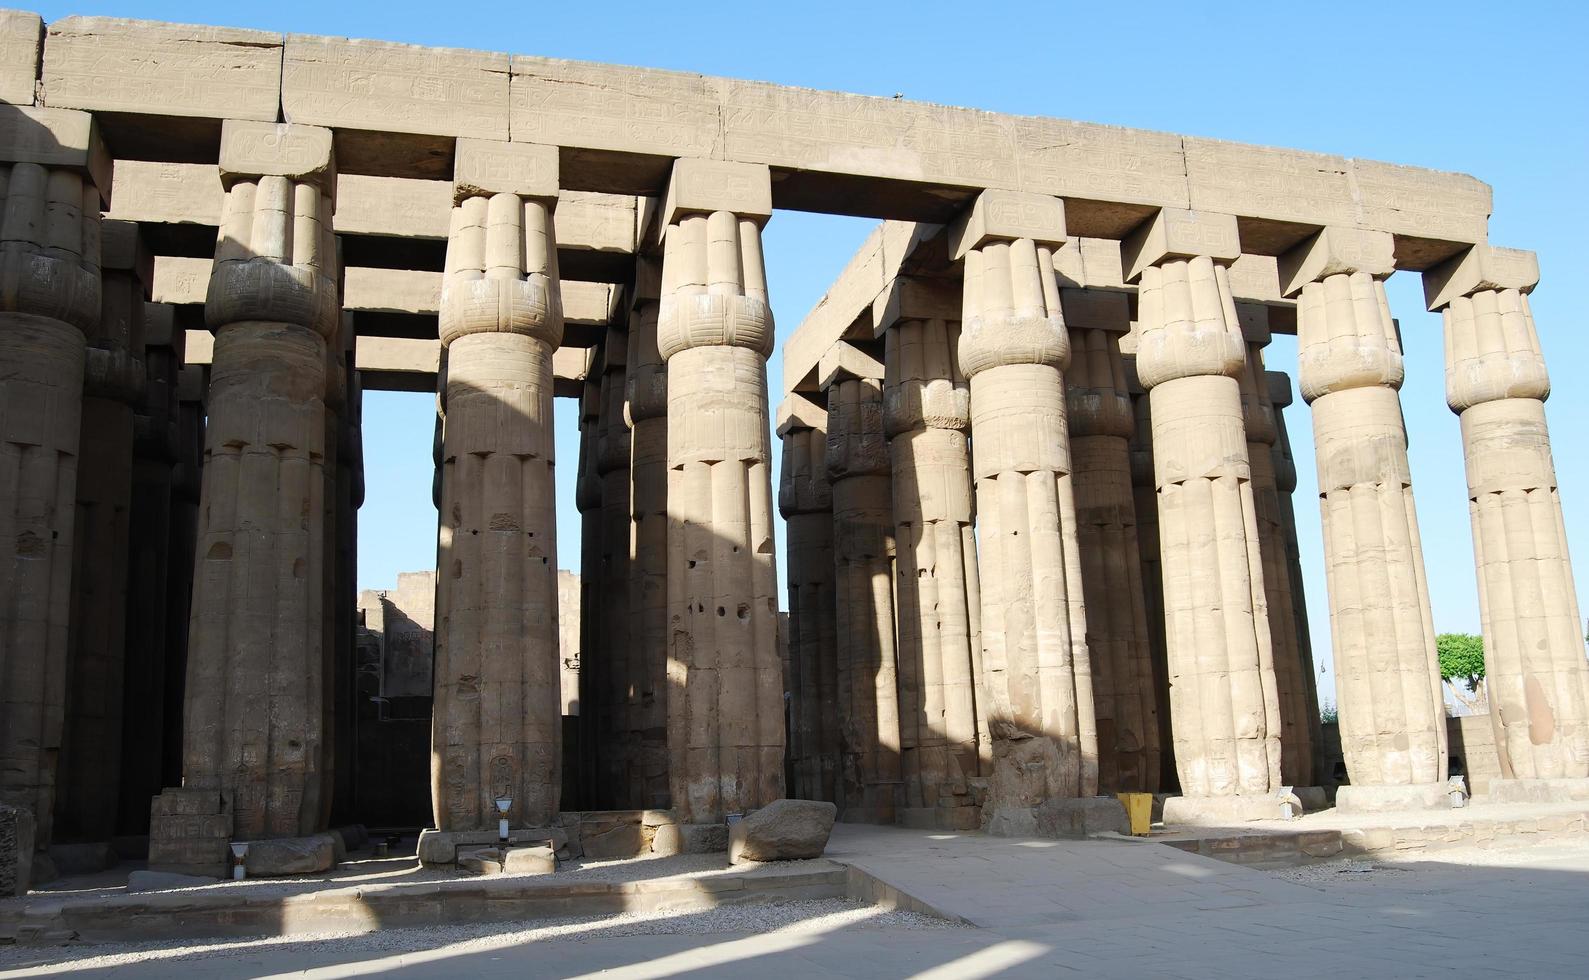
(58, 138)
(250, 150)
(122, 249)
(704, 186)
(1336, 251)
(1479, 268)
(1096, 309)
(846, 362)
(999, 215)
(482, 168)
(1279, 388)
(797, 412)
(915, 298)
(1176, 233)
(1253, 318)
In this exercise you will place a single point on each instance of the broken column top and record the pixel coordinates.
(799, 412)
(486, 167)
(250, 150)
(1176, 233)
(1479, 268)
(1000, 215)
(705, 186)
(1334, 251)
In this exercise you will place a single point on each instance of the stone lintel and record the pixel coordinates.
(486, 167)
(799, 412)
(21, 41)
(1479, 268)
(1254, 321)
(250, 150)
(647, 279)
(1096, 309)
(705, 186)
(1279, 384)
(846, 362)
(1176, 233)
(121, 248)
(56, 138)
(916, 298)
(1334, 251)
(1001, 215)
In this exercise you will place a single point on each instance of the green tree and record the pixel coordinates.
(1462, 668)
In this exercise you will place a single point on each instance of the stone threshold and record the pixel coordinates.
(42, 919)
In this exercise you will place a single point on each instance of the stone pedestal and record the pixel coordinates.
(1496, 382)
(1393, 798)
(1225, 713)
(190, 832)
(1393, 731)
(1563, 790)
(50, 265)
(1014, 349)
(715, 331)
(496, 727)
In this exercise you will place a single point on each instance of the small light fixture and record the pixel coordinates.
(504, 804)
(1457, 790)
(1288, 808)
(239, 860)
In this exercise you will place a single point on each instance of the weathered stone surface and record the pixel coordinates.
(529, 861)
(1081, 817)
(109, 64)
(21, 40)
(290, 855)
(783, 830)
(162, 881)
(189, 830)
(703, 838)
(667, 841)
(621, 841)
(1395, 798)
(16, 850)
(57, 138)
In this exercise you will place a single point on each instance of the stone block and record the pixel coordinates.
(441, 847)
(108, 64)
(1419, 203)
(16, 850)
(486, 167)
(667, 841)
(56, 138)
(1002, 215)
(1478, 268)
(164, 881)
(846, 362)
(1334, 251)
(1222, 811)
(1537, 790)
(254, 149)
(799, 412)
(607, 843)
(1392, 799)
(398, 88)
(1096, 309)
(283, 856)
(705, 186)
(1082, 817)
(394, 206)
(481, 861)
(783, 830)
(168, 193)
(1174, 233)
(703, 838)
(1255, 279)
(21, 41)
(915, 298)
(538, 860)
(1269, 182)
(189, 832)
(82, 859)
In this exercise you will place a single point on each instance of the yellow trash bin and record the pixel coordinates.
(1139, 808)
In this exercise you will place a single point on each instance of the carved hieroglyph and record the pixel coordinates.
(866, 677)
(1013, 349)
(1102, 422)
(1224, 707)
(806, 501)
(1496, 382)
(256, 665)
(715, 332)
(1350, 367)
(926, 415)
(49, 300)
(496, 729)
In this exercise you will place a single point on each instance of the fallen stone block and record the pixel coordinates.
(82, 859)
(443, 846)
(538, 860)
(1082, 817)
(160, 881)
(482, 861)
(290, 855)
(783, 830)
(622, 841)
(703, 838)
(667, 841)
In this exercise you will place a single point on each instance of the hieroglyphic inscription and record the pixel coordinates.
(20, 34)
(256, 149)
(1423, 203)
(498, 167)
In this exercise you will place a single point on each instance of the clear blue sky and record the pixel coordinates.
(1495, 90)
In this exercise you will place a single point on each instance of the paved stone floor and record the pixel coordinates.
(1040, 909)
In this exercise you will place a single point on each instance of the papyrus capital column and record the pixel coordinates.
(715, 331)
(496, 725)
(54, 179)
(1393, 732)
(1037, 670)
(1190, 355)
(1497, 384)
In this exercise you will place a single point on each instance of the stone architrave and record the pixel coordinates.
(1258, 416)
(715, 332)
(1393, 731)
(113, 384)
(496, 728)
(1037, 670)
(646, 405)
(866, 680)
(616, 744)
(805, 499)
(49, 303)
(1225, 712)
(926, 415)
(1102, 423)
(1497, 384)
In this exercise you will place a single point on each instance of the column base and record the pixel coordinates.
(1218, 811)
(940, 817)
(1537, 790)
(1313, 798)
(1068, 818)
(1387, 799)
(190, 832)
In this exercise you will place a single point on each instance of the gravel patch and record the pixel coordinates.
(824, 915)
(1337, 873)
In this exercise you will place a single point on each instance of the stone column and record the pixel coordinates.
(715, 331)
(1291, 687)
(1285, 467)
(1225, 712)
(1393, 731)
(113, 383)
(193, 392)
(646, 399)
(149, 573)
(1534, 662)
(53, 173)
(617, 781)
(1038, 671)
(1102, 423)
(497, 714)
(926, 414)
(806, 501)
(869, 782)
(256, 685)
(593, 664)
